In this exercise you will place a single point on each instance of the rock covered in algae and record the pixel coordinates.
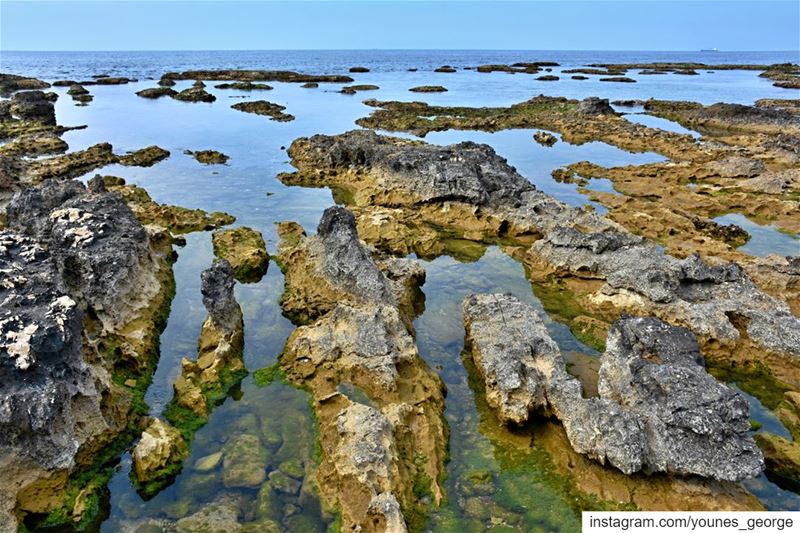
(208, 157)
(544, 138)
(245, 250)
(160, 447)
(262, 107)
(195, 94)
(428, 89)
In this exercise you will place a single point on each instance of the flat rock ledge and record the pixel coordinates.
(379, 453)
(658, 409)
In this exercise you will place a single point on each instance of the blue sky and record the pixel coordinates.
(564, 25)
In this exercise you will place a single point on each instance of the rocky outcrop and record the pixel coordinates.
(718, 303)
(358, 335)
(157, 92)
(245, 250)
(267, 109)
(353, 89)
(219, 363)
(91, 312)
(658, 410)
(428, 89)
(544, 138)
(254, 75)
(195, 94)
(10, 83)
(208, 157)
(157, 456)
(245, 86)
(33, 106)
(726, 117)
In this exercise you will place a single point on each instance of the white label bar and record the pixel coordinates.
(701, 522)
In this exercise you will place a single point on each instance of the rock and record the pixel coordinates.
(359, 69)
(218, 297)
(255, 75)
(658, 411)
(310, 85)
(358, 336)
(694, 425)
(353, 89)
(595, 106)
(245, 86)
(166, 82)
(158, 452)
(579, 77)
(725, 117)
(244, 462)
(262, 107)
(544, 138)
(144, 157)
(157, 92)
(209, 157)
(109, 80)
(208, 463)
(77, 89)
(244, 248)
(10, 83)
(428, 89)
(216, 517)
(292, 468)
(33, 106)
(707, 299)
(446, 69)
(619, 79)
(282, 483)
(782, 458)
(195, 94)
(505, 339)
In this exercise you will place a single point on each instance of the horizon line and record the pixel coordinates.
(706, 50)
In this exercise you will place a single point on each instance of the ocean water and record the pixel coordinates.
(529, 494)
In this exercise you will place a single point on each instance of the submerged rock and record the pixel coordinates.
(658, 411)
(156, 455)
(244, 248)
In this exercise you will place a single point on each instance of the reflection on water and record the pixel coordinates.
(764, 240)
(661, 123)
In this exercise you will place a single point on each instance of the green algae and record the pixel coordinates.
(754, 378)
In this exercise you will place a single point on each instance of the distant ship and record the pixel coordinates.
(709, 50)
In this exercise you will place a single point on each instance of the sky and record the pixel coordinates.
(250, 25)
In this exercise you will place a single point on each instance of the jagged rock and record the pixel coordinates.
(160, 447)
(544, 138)
(208, 157)
(246, 251)
(358, 335)
(694, 425)
(705, 298)
(262, 107)
(658, 411)
(506, 340)
(220, 345)
(33, 106)
(195, 94)
(144, 157)
(595, 106)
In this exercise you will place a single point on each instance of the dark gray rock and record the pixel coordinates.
(692, 423)
(658, 410)
(34, 106)
(346, 263)
(595, 106)
(41, 367)
(216, 286)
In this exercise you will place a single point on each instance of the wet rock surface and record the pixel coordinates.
(208, 157)
(160, 447)
(262, 107)
(358, 334)
(255, 75)
(428, 89)
(245, 250)
(658, 411)
(195, 94)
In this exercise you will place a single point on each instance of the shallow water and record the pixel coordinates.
(764, 240)
(526, 492)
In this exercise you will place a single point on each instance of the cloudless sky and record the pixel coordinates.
(250, 25)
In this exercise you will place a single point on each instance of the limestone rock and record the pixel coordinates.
(160, 448)
(245, 250)
(244, 462)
